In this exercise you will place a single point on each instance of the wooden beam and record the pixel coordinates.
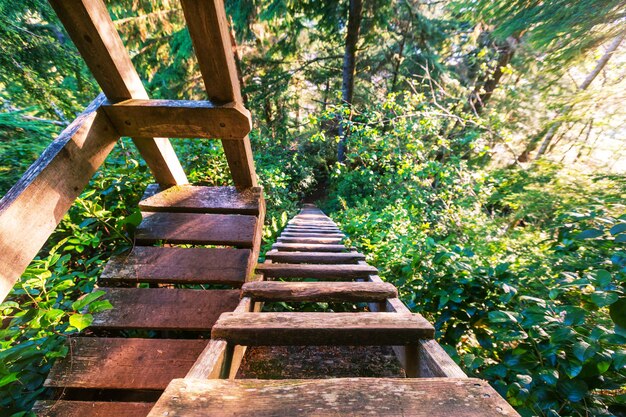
(90, 26)
(31, 210)
(179, 118)
(210, 36)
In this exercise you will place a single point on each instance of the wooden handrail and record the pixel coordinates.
(90, 26)
(32, 208)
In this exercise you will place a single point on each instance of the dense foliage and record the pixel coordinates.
(520, 264)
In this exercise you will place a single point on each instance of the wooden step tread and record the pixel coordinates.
(197, 229)
(108, 363)
(290, 239)
(62, 408)
(314, 257)
(315, 271)
(308, 234)
(273, 329)
(423, 397)
(164, 308)
(197, 199)
(316, 230)
(179, 266)
(319, 291)
(312, 247)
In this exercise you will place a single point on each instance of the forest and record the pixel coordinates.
(475, 150)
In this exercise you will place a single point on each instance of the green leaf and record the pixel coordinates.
(573, 390)
(617, 311)
(618, 228)
(80, 321)
(81, 303)
(7, 379)
(589, 234)
(603, 299)
(502, 317)
(603, 277)
(583, 351)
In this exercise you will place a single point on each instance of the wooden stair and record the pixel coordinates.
(339, 276)
(122, 368)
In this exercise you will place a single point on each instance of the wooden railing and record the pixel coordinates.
(32, 209)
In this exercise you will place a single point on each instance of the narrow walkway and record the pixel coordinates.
(309, 263)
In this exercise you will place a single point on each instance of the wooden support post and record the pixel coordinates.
(210, 36)
(32, 209)
(90, 26)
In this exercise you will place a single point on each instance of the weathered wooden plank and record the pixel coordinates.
(314, 257)
(272, 329)
(33, 207)
(285, 234)
(179, 118)
(164, 308)
(319, 291)
(198, 199)
(106, 363)
(195, 228)
(315, 271)
(208, 27)
(324, 240)
(312, 229)
(311, 247)
(178, 266)
(431, 397)
(62, 408)
(93, 32)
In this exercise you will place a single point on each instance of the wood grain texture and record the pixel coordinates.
(318, 291)
(315, 271)
(179, 118)
(273, 329)
(308, 247)
(61, 408)
(107, 363)
(164, 308)
(294, 229)
(199, 199)
(290, 239)
(309, 234)
(93, 32)
(32, 208)
(179, 266)
(349, 397)
(314, 257)
(198, 229)
(208, 27)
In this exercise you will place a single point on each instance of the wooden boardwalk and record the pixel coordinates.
(188, 297)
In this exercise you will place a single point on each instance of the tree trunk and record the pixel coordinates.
(483, 91)
(349, 65)
(583, 86)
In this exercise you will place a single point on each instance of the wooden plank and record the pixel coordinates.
(314, 257)
(106, 363)
(93, 32)
(208, 27)
(198, 229)
(273, 329)
(319, 291)
(315, 271)
(164, 308)
(62, 408)
(310, 247)
(179, 118)
(178, 266)
(429, 397)
(324, 240)
(34, 206)
(198, 199)
(308, 234)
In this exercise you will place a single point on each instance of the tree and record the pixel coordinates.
(349, 66)
(547, 139)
